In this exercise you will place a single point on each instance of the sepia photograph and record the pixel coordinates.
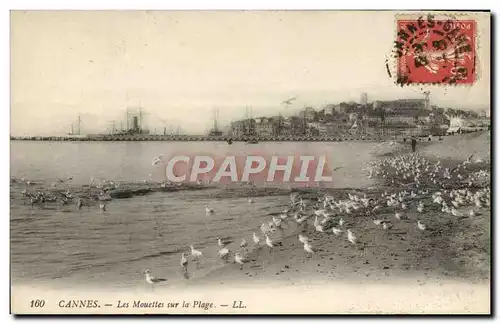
(250, 162)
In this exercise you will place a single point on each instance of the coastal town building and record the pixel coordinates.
(308, 114)
(297, 125)
(401, 105)
(329, 109)
(342, 107)
(264, 126)
(484, 114)
(460, 124)
(364, 99)
(401, 117)
(244, 127)
(330, 128)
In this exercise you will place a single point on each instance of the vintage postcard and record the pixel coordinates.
(250, 162)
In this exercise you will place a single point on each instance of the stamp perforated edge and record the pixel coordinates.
(414, 15)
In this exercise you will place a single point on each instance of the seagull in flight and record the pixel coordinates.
(289, 101)
(157, 160)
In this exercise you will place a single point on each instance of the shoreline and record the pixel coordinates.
(204, 138)
(403, 261)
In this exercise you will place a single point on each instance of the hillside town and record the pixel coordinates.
(400, 118)
(363, 120)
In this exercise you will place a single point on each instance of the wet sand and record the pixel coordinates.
(444, 269)
(452, 249)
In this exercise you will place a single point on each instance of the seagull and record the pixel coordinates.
(421, 226)
(308, 248)
(289, 101)
(102, 207)
(240, 260)
(68, 194)
(336, 231)
(326, 219)
(456, 212)
(184, 261)
(79, 203)
(316, 221)
(300, 220)
(277, 222)
(264, 228)
(377, 221)
(250, 201)
(351, 237)
(243, 243)
(341, 222)
(319, 212)
(472, 213)
(223, 253)
(303, 239)
(284, 215)
(256, 239)
(438, 200)
(398, 215)
(208, 211)
(386, 226)
(157, 160)
(150, 279)
(195, 253)
(469, 159)
(269, 242)
(223, 243)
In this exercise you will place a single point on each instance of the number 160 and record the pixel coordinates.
(37, 303)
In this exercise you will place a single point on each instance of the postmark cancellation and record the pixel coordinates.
(435, 49)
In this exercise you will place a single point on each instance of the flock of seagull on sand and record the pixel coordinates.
(431, 187)
(424, 185)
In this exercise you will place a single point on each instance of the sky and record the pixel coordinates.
(181, 65)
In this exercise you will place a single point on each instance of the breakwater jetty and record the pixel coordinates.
(199, 138)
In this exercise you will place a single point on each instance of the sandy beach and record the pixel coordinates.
(444, 269)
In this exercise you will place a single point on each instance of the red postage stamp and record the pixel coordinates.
(435, 51)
